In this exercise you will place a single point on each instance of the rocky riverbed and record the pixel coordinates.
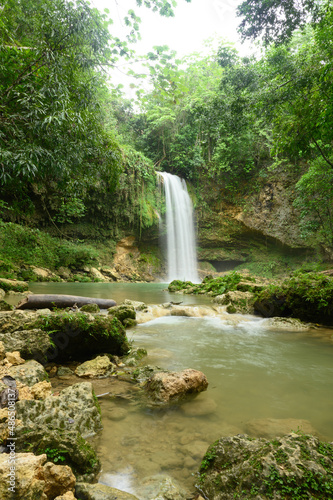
(62, 401)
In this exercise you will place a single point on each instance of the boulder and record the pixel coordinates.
(34, 478)
(90, 308)
(14, 358)
(292, 466)
(74, 409)
(96, 368)
(2, 351)
(100, 491)
(172, 387)
(32, 344)
(161, 487)
(2, 293)
(123, 313)
(138, 306)
(237, 302)
(28, 373)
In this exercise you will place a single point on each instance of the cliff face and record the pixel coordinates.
(262, 227)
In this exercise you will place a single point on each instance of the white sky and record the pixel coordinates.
(185, 33)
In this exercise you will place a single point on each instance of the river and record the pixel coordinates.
(259, 380)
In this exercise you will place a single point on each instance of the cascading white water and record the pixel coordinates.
(181, 248)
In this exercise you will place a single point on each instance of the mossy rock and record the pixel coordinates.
(14, 285)
(79, 335)
(294, 466)
(90, 308)
(123, 313)
(4, 306)
(62, 447)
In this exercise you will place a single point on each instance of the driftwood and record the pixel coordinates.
(41, 301)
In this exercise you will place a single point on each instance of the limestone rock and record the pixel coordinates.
(95, 273)
(138, 306)
(42, 273)
(101, 492)
(271, 427)
(95, 368)
(29, 481)
(35, 479)
(2, 351)
(2, 293)
(243, 467)
(64, 272)
(14, 358)
(90, 308)
(41, 390)
(30, 373)
(172, 387)
(122, 312)
(32, 344)
(58, 478)
(75, 408)
(161, 487)
(69, 495)
(289, 324)
(237, 302)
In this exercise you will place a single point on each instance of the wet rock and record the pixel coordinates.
(271, 427)
(99, 491)
(96, 368)
(2, 351)
(95, 273)
(41, 390)
(161, 487)
(117, 414)
(243, 467)
(64, 372)
(34, 478)
(171, 387)
(30, 373)
(237, 302)
(123, 313)
(289, 324)
(64, 272)
(138, 306)
(2, 293)
(199, 407)
(90, 308)
(42, 273)
(32, 344)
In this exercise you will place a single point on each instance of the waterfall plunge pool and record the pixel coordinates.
(259, 380)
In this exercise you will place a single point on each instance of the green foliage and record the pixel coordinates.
(55, 455)
(307, 296)
(213, 286)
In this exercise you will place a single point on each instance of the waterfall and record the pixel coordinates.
(181, 249)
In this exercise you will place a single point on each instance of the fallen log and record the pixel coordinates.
(41, 301)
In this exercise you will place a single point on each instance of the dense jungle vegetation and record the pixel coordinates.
(78, 159)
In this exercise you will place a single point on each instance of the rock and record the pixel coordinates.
(32, 344)
(27, 476)
(138, 306)
(41, 390)
(172, 387)
(2, 351)
(161, 487)
(30, 373)
(64, 272)
(90, 308)
(4, 306)
(42, 273)
(33, 478)
(199, 407)
(289, 324)
(237, 302)
(65, 372)
(74, 409)
(69, 495)
(14, 358)
(243, 467)
(81, 335)
(95, 368)
(110, 273)
(271, 427)
(122, 312)
(58, 478)
(2, 293)
(99, 491)
(15, 285)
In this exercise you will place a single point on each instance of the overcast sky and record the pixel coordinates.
(185, 33)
